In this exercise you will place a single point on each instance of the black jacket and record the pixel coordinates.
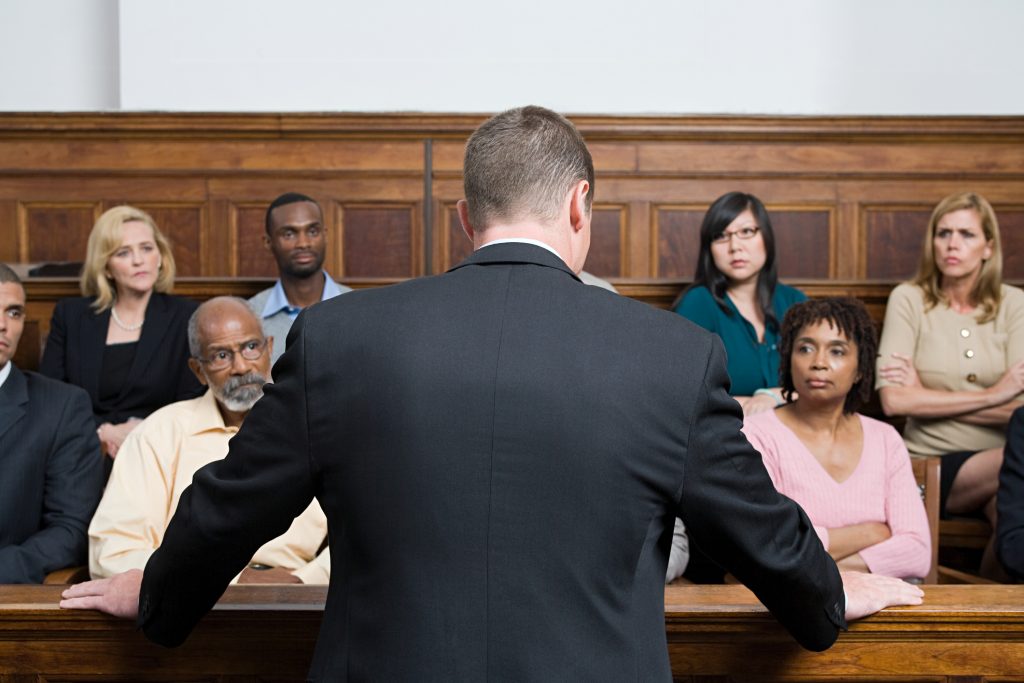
(159, 375)
(501, 452)
(51, 474)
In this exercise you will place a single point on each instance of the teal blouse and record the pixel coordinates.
(751, 365)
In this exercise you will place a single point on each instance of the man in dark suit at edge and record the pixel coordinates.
(501, 452)
(51, 470)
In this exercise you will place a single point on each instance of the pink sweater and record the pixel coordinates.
(880, 489)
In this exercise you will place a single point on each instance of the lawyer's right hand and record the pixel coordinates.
(869, 593)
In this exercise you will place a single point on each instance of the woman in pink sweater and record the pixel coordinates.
(850, 473)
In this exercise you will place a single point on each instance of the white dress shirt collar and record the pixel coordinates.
(525, 240)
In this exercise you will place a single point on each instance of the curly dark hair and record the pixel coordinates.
(849, 316)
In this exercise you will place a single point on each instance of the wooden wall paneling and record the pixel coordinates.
(638, 248)
(381, 240)
(455, 245)
(617, 157)
(56, 231)
(449, 244)
(607, 257)
(847, 241)
(30, 348)
(893, 235)
(220, 240)
(227, 154)
(184, 225)
(1011, 237)
(760, 158)
(675, 239)
(803, 241)
(10, 235)
(252, 258)
(446, 158)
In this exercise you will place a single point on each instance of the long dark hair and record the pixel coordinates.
(722, 212)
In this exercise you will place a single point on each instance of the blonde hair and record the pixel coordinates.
(104, 240)
(987, 290)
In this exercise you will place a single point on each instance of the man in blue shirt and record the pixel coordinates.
(297, 237)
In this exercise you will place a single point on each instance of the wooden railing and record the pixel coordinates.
(714, 633)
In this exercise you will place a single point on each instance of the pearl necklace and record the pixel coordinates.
(120, 323)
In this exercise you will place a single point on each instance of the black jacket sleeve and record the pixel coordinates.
(1010, 500)
(74, 481)
(732, 510)
(232, 507)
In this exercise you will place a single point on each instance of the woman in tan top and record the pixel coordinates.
(951, 358)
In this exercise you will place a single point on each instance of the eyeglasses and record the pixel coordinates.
(742, 233)
(221, 359)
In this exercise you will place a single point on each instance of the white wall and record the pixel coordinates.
(58, 55)
(607, 56)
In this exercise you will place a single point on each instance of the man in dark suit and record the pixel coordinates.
(501, 452)
(1009, 542)
(50, 465)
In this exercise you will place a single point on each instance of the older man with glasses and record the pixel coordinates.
(231, 356)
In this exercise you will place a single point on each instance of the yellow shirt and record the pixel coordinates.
(152, 469)
(951, 352)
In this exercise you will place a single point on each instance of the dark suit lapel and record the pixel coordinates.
(13, 400)
(516, 252)
(94, 338)
(156, 324)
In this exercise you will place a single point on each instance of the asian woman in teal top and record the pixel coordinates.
(736, 295)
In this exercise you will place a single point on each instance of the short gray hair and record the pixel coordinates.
(195, 347)
(521, 163)
(7, 274)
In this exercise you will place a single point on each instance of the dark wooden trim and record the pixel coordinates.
(712, 631)
(442, 125)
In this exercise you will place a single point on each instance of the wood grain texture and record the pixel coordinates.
(379, 241)
(717, 633)
(844, 189)
(608, 224)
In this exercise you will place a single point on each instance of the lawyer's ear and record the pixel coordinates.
(579, 212)
(463, 208)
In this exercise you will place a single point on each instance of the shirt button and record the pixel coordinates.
(969, 353)
(965, 333)
(972, 378)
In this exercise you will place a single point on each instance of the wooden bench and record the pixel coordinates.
(714, 633)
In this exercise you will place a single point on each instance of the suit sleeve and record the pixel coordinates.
(232, 507)
(1010, 500)
(732, 511)
(52, 363)
(74, 478)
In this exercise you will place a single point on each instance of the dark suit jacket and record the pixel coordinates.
(501, 452)
(50, 476)
(1010, 500)
(159, 374)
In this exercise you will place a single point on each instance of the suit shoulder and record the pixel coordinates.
(46, 388)
(178, 303)
(908, 292)
(74, 305)
(1013, 296)
(789, 295)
